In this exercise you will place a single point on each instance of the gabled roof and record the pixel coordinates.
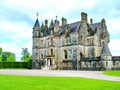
(105, 50)
(73, 27)
(36, 23)
(98, 25)
(94, 25)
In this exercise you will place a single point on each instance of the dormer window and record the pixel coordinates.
(68, 40)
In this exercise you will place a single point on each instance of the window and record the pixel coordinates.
(106, 63)
(51, 51)
(36, 55)
(41, 55)
(70, 53)
(51, 31)
(36, 34)
(89, 55)
(113, 63)
(90, 63)
(64, 41)
(68, 41)
(41, 33)
(65, 54)
(36, 45)
(74, 39)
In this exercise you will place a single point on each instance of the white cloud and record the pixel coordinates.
(15, 48)
(18, 34)
(114, 47)
(16, 29)
(114, 26)
(20, 30)
(11, 47)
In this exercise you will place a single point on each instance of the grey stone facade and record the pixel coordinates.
(79, 45)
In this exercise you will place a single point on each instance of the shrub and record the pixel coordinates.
(15, 65)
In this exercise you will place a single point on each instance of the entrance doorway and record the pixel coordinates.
(49, 62)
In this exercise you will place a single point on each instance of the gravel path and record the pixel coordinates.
(62, 73)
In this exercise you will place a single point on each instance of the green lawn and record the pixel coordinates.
(12, 82)
(112, 73)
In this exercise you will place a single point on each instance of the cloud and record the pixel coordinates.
(11, 47)
(15, 30)
(114, 47)
(18, 17)
(16, 48)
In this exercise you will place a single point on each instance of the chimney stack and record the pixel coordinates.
(46, 22)
(91, 21)
(64, 22)
(103, 20)
(84, 17)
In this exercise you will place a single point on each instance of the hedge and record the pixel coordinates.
(26, 65)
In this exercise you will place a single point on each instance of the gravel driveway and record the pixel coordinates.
(62, 73)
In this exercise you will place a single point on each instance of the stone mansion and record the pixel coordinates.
(78, 46)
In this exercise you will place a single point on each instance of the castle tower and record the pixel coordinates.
(84, 29)
(56, 27)
(106, 57)
(105, 34)
(35, 47)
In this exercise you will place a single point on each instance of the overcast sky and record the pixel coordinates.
(17, 18)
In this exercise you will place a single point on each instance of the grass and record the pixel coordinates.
(112, 73)
(13, 82)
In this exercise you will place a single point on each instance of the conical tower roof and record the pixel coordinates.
(105, 50)
(36, 23)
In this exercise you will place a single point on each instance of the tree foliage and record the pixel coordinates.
(7, 56)
(26, 56)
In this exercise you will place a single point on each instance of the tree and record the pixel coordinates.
(11, 58)
(0, 50)
(7, 56)
(0, 54)
(26, 56)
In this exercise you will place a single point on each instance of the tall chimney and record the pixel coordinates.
(103, 20)
(91, 21)
(46, 22)
(64, 21)
(84, 17)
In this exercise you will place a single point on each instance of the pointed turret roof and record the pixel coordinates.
(36, 23)
(105, 50)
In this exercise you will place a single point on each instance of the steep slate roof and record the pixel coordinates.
(105, 50)
(73, 27)
(37, 23)
(99, 26)
(96, 25)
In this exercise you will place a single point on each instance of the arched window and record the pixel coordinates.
(65, 54)
(113, 63)
(41, 55)
(106, 63)
(51, 51)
